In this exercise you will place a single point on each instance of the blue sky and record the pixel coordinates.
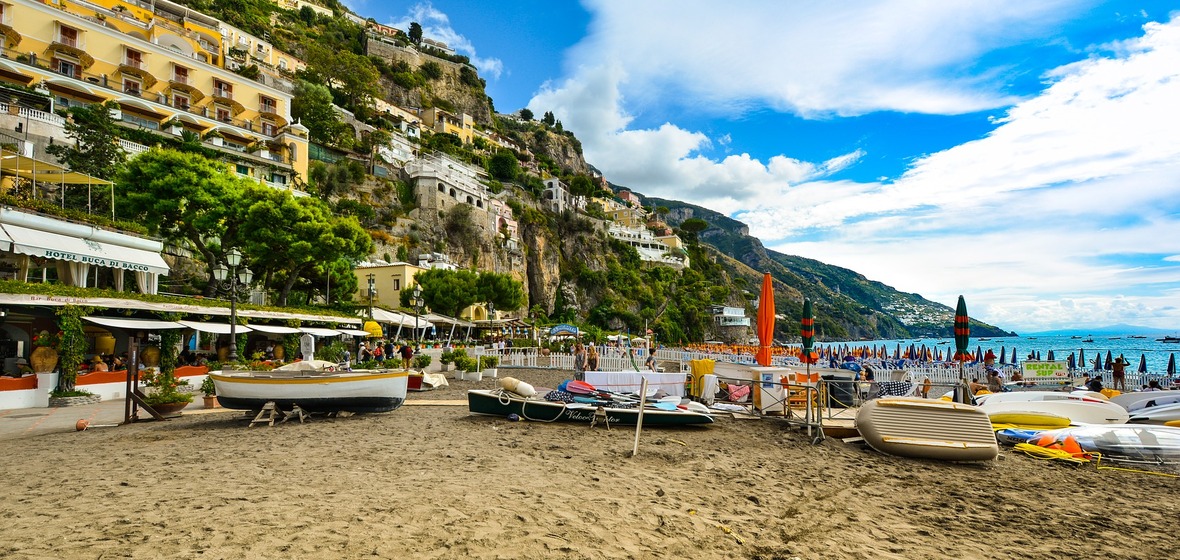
(1023, 154)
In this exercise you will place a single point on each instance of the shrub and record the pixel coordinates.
(421, 361)
(486, 362)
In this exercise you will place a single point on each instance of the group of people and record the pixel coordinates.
(383, 350)
(586, 358)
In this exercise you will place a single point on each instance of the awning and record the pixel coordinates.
(354, 332)
(134, 324)
(317, 331)
(65, 248)
(274, 329)
(395, 318)
(5, 241)
(215, 328)
(436, 318)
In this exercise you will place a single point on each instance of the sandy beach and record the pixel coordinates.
(432, 481)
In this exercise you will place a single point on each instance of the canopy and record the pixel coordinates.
(808, 355)
(49, 245)
(354, 332)
(274, 329)
(134, 324)
(962, 331)
(317, 331)
(393, 317)
(765, 321)
(215, 328)
(12, 163)
(430, 319)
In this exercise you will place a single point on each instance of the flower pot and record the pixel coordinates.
(169, 409)
(279, 352)
(473, 376)
(211, 401)
(150, 356)
(490, 372)
(43, 359)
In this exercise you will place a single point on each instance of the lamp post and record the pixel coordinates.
(221, 272)
(416, 301)
(492, 319)
(372, 292)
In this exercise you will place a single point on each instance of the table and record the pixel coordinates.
(629, 381)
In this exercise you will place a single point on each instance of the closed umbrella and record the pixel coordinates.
(1081, 358)
(808, 355)
(765, 321)
(1051, 356)
(962, 339)
(1172, 364)
(1109, 361)
(1142, 363)
(897, 352)
(1014, 362)
(1003, 356)
(1071, 361)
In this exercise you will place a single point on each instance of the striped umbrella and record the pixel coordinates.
(1142, 363)
(962, 331)
(808, 332)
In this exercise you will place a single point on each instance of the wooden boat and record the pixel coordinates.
(927, 429)
(498, 402)
(313, 387)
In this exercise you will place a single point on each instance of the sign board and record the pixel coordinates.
(307, 346)
(1045, 370)
(563, 329)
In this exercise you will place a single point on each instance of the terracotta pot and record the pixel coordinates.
(211, 401)
(279, 352)
(43, 359)
(170, 409)
(150, 356)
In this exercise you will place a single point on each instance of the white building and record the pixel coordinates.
(649, 247)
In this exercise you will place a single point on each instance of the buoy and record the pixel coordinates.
(513, 418)
(82, 424)
(517, 386)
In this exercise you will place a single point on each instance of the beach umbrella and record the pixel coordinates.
(1098, 362)
(962, 331)
(765, 321)
(1071, 361)
(1142, 363)
(1003, 357)
(979, 353)
(1172, 364)
(808, 355)
(1014, 362)
(1109, 361)
(1051, 356)
(897, 352)
(1081, 358)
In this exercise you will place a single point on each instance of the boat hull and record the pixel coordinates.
(332, 392)
(1079, 411)
(497, 403)
(927, 429)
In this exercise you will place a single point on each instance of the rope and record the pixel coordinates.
(505, 399)
(1038, 452)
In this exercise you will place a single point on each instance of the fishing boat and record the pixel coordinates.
(1169, 339)
(499, 402)
(927, 429)
(315, 386)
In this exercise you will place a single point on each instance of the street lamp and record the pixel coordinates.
(492, 319)
(372, 292)
(417, 302)
(221, 272)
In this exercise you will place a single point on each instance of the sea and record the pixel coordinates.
(1133, 347)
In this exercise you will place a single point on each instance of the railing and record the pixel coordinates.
(34, 114)
(68, 41)
(181, 79)
(132, 148)
(223, 93)
(137, 64)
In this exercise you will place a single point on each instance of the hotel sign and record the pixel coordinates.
(88, 259)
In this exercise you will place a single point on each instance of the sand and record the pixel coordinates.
(436, 482)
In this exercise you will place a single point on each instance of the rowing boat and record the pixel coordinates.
(314, 388)
(498, 402)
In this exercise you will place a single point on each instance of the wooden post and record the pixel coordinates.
(639, 421)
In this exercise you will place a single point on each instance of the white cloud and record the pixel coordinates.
(436, 25)
(1061, 216)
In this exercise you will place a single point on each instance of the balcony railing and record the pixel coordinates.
(223, 93)
(182, 79)
(68, 41)
(135, 63)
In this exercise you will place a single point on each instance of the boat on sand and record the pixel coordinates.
(927, 429)
(500, 402)
(315, 386)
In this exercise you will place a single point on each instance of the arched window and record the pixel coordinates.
(441, 189)
(469, 200)
(452, 192)
(479, 204)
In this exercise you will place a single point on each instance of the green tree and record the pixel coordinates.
(581, 185)
(503, 166)
(548, 118)
(506, 292)
(95, 150)
(526, 114)
(283, 237)
(312, 105)
(415, 33)
(691, 227)
(431, 70)
(351, 75)
(183, 198)
(468, 77)
(446, 291)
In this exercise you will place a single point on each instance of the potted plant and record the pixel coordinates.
(446, 359)
(488, 365)
(162, 393)
(421, 362)
(44, 356)
(210, 392)
(173, 125)
(467, 367)
(215, 137)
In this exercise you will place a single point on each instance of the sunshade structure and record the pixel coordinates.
(1142, 363)
(1109, 361)
(807, 331)
(1003, 356)
(1071, 361)
(1081, 359)
(962, 332)
(765, 321)
(40, 173)
(1172, 364)
(1051, 356)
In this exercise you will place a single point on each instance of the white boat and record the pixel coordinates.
(1140, 400)
(315, 387)
(1079, 411)
(1156, 414)
(1026, 396)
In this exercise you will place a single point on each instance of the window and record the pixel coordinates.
(134, 59)
(180, 74)
(397, 284)
(242, 170)
(68, 36)
(223, 115)
(269, 128)
(267, 104)
(68, 68)
(278, 179)
(180, 101)
(223, 89)
(131, 87)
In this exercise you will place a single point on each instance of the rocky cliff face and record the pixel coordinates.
(464, 98)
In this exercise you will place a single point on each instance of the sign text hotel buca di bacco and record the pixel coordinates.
(92, 260)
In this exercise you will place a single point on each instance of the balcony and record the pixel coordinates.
(73, 47)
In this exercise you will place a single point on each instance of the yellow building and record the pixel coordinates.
(388, 281)
(163, 64)
(440, 121)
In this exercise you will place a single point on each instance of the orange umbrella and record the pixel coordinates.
(765, 321)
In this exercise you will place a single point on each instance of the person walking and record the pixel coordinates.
(407, 354)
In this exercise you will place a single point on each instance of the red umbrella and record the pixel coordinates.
(808, 356)
(765, 321)
(962, 332)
